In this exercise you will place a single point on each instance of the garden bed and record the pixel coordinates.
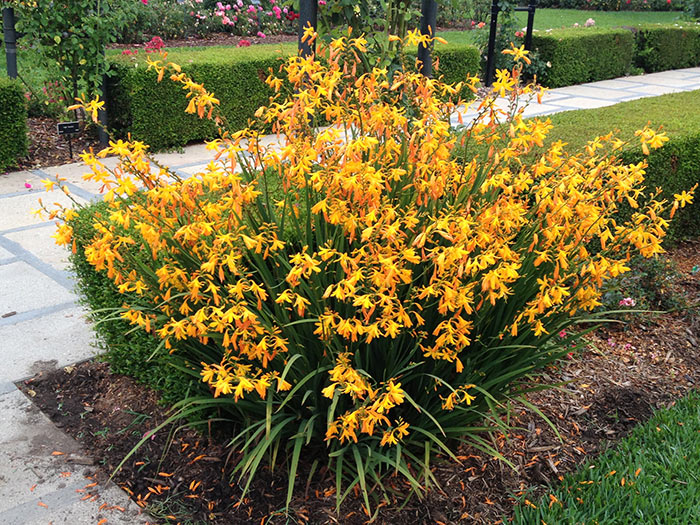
(625, 373)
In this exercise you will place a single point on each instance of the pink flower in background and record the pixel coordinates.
(589, 23)
(277, 11)
(154, 44)
(144, 2)
(261, 34)
(562, 334)
(27, 184)
(243, 43)
(519, 34)
(627, 301)
(321, 2)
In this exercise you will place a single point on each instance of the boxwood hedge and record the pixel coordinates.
(13, 123)
(576, 56)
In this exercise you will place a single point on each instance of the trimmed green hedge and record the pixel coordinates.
(664, 47)
(155, 112)
(583, 55)
(13, 123)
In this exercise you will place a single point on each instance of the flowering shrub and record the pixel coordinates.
(359, 289)
(174, 19)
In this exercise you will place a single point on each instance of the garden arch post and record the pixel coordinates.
(531, 7)
(308, 16)
(428, 10)
(10, 37)
(490, 58)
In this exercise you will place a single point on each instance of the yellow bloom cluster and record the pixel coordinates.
(372, 230)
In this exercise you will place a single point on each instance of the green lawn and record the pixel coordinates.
(556, 18)
(651, 477)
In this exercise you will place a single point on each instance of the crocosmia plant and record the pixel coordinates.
(371, 284)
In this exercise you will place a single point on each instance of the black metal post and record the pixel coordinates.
(10, 37)
(531, 6)
(428, 10)
(308, 16)
(491, 53)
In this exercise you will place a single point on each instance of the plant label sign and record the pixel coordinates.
(68, 128)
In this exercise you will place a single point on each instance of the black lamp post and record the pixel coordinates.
(10, 37)
(427, 27)
(308, 16)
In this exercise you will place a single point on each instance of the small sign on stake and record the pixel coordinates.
(69, 129)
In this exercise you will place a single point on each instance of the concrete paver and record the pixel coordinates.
(45, 343)
(40, 244)
(39, 487)
(25, 288)
(17, 210)
(47, 329)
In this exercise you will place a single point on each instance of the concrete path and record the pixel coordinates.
(42, 327)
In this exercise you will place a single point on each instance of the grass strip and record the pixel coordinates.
(652, 476)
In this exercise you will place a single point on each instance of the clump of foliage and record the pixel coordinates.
(71, 35)
(651, 285)
(357, 291)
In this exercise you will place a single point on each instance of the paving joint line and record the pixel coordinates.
(28, 227)
(74, 188)
(59, 276)
(9, 260)
(27, 191)
(7, 387)
(35, 313)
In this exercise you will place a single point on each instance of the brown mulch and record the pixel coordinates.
(626, 373)
(47, 148)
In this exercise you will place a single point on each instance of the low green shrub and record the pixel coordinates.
(155, 112)
(13, 123)
(392, 297)
(664, 47)
(650, 477)
(571, 60)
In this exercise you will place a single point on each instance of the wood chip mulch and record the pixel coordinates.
(47, 148)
